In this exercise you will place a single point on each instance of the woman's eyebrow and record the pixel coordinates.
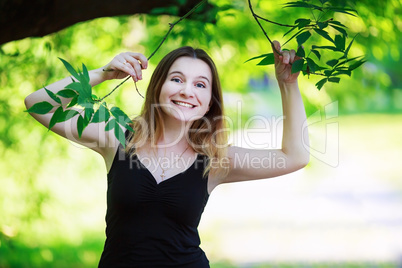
(178, 72)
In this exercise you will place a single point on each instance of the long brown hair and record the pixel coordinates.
(207, 135)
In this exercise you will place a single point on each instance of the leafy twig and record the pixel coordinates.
(306, 27)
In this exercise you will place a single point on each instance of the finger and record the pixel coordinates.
(286, 57)
(137, 69)
(123, 65)
(276, 47)
(128, 68)
(139, 57)
(138, 61)
(292, 55)
(134, 65)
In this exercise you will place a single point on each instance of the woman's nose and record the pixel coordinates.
(187, 90)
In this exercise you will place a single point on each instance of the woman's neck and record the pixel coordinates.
(174, 133)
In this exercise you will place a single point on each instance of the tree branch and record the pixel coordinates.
(171, 26)
(273, 22)
(259, 24)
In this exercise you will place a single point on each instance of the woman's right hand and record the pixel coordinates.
(124, 64)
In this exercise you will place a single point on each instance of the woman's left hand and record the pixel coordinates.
(283, 64)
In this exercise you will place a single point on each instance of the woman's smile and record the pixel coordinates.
(183, 104)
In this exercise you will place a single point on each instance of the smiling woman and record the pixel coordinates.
(178, 153)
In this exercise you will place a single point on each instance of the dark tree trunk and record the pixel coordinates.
(36, 18)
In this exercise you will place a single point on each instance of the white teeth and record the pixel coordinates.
(183, 104)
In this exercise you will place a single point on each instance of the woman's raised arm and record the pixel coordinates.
(251, 164)
(94, 136)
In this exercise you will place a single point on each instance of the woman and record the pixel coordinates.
(158, 187)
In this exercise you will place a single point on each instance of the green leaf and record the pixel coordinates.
(258, 57)
(327, 47)
(77, 86)
(324, 34)
(341, 30)
(84, 91)
(67, 93)
(40, 108)
(80, 125)
(110, 125)
(101, 115)
(123, 120)
(118, 132)
(356, 65)
(53, 96)
(302, 23)
(67, 115)
(332, 63)
(348, 48)
(129, 128)
(87, 90)
(300, 52)
(85, 73)
(301, 38)
(322, 25)
(290, 31)
(70, 69)
(347, 60)
(337, 23)
(340, 72)
(83, 100)
(119, 114)
(340, 42)
(334, 79)
(268, 60)
(297, 66)
(321, 83)
(302, 4)
(55, 117)
(297, 4)
(89, 111)
(312, 65)
(328, 72)
(343, 10)
(296, 34)
(73, 102)
(316, 53)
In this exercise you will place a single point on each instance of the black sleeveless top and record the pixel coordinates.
(154, 225)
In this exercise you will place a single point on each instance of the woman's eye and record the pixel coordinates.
(201, 85)
(177, 80)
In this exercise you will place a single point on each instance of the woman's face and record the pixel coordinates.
(186, 93)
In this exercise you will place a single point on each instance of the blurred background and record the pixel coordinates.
(343, 210)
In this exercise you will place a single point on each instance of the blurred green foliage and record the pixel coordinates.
(52, 214)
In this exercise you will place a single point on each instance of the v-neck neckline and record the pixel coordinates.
(168, 179)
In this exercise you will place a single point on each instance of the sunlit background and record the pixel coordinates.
(343, 210)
